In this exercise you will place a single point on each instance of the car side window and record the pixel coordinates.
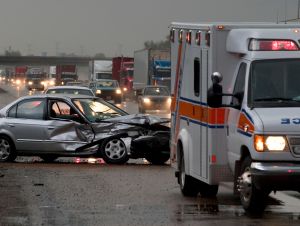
(12, 113)
(239, 86)
(62, 110)
(29, 109)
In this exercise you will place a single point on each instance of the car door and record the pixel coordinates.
(26, 123)
(66, 130)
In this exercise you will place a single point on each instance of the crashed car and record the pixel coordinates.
(52, 126)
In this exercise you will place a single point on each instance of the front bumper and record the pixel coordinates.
(276, 176)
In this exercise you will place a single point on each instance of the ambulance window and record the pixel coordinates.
(239, 86)
(197, 77)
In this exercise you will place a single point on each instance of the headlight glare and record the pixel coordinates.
(270, 143)
(118, 91)
(146, 100)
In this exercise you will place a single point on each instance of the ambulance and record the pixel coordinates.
(236, 109)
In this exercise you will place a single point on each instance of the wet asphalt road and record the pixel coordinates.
(65, 193)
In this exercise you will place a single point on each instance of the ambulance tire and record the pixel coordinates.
(207, 190)
(253, 200)
(189, 186)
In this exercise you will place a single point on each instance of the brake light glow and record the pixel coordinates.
(272, 45)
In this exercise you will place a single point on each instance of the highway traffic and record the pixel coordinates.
(86, 191)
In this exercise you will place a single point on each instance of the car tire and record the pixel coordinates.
(48, 158)
(118, 100)
(141, 110)
(207, 190)
(189, 186)
(7, 149)
(113, 151)
(253, 200)
(158, 159)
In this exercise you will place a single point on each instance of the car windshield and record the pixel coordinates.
(96, 110)
(275, 83)
(106, 84)
(103, 76)
(70, 91)
(156, 91)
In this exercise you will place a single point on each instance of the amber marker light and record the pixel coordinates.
(259, 143)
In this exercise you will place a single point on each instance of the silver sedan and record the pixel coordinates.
(52, 126)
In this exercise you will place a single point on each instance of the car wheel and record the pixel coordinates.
(158, 159)
(114, 151)
(189, 186)
(118, 100)
(207, 190)
(48, 158)
(252, 199)
(7, 149)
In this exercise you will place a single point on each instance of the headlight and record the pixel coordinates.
(146, 100)
(43, 83)
(18, 82)
(118, 91)
(30, 83)
(169, 100)
(125, 89)
(98, 91)
(270, 143)
(51, 83)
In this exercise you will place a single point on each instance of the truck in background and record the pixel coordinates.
(36, 78)
(151, 67)
(20, 75)
(101, 69)
(122, 71)
(235, 109)
(66, 73)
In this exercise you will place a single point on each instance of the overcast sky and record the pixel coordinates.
(117, 26)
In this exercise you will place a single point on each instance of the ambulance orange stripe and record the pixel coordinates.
(243, 121)
(213, 116)
(174, 98)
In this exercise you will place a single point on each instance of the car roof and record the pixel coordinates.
(68, 87)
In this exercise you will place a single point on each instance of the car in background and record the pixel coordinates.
(76, 83)
(154, 98)
(107, 89)
(76, 90)
(52, 126)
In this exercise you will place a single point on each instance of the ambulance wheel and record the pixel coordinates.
(189, 186)
(113, 151)
(207, 190)
(253, 200)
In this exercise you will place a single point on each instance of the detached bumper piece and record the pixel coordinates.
(145, 145)
(276, 176)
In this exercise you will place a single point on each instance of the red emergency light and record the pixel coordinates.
(198, 38)
(172, 35)
(188, 37)
(272, 45)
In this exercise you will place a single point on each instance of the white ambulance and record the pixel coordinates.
(236, 109)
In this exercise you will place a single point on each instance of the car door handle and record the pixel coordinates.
(50, 128)
(11, 125)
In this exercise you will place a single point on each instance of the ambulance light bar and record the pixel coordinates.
(272, 45)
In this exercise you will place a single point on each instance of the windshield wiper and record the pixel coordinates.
(277, 99)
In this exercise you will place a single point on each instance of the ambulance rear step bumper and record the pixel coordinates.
(276, 176)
